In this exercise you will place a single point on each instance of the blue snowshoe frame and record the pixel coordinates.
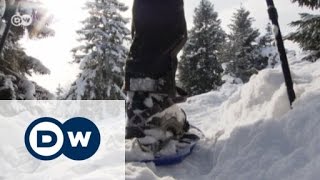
(173, 159)
(191, 139)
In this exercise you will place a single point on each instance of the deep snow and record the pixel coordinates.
(263, 138)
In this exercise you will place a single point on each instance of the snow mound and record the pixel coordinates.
(264, 138)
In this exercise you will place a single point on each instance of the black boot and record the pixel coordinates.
(154, 119)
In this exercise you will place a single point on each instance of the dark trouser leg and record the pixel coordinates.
(150, 86)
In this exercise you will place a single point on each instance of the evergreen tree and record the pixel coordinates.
(267, 50)
(199, 68)
(307, 35)
(241, 52)
(102, 55)
(15, 64)
(313, 4)
(268, 38)
(59, 92)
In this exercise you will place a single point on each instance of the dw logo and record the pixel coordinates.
(78, 138)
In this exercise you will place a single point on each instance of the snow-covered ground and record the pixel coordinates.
(264, 139)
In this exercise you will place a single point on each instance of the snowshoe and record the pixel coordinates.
(173, 152)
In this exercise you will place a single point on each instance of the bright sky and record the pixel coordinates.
(55, 52)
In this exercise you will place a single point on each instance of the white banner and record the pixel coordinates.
(62, 140)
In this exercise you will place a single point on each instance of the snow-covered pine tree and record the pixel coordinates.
(59, 92)
(15, 64)
(240, 53)
(199, 68)
(267, 50)
(313, 4)
(308, 34)
(268, 38)
(102, 53)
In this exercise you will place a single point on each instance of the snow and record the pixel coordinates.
(2, 8)
(263, 138)
(29, 88)
(17, 163)
(133, 152)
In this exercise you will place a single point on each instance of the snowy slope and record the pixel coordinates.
(263, 138)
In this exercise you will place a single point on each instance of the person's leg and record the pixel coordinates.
(147, 110)
(135, 119)
(150, 77)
